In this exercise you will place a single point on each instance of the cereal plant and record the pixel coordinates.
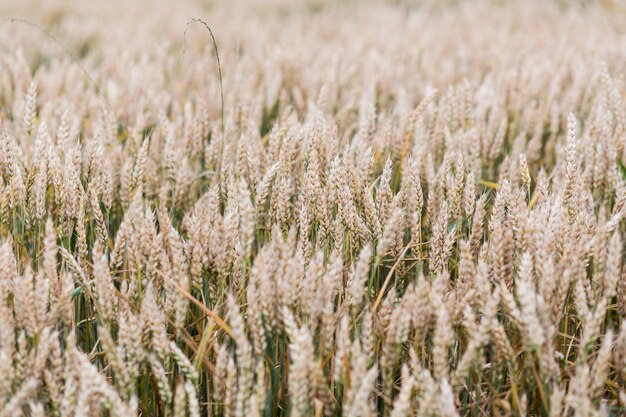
(312, 208)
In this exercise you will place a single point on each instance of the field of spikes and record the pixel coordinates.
(312, 208)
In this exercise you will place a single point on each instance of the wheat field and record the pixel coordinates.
(312, 208)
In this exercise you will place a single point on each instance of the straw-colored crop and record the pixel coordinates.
(321, 208)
